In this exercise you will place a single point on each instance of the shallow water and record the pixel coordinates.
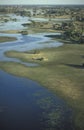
(12, 25)
(25, 43)
(27, 105)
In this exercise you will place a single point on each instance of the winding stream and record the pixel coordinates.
(24, 104)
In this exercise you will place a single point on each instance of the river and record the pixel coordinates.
(24, 104)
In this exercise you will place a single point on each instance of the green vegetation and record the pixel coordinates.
(74, 32)
(7, 39)
(60, 70)
(52, 117)
(24, 32)
(10, 31)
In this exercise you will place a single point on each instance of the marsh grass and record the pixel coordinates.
(58, 73)
(7, 39)
(10, 31)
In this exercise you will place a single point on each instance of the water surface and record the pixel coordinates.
(24, 105)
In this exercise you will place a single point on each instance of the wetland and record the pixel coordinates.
(41, 77)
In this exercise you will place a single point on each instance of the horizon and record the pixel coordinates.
(41, 2)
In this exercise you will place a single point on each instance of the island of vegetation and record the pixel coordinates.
(7, 39)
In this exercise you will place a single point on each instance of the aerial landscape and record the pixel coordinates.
(41, 65)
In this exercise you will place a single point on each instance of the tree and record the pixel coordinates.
(75, 32)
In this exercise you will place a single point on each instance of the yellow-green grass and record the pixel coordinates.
(7, 39)
(60, 71)
(10, 31)
(47, 16)
(35, 30)
(32, 30)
